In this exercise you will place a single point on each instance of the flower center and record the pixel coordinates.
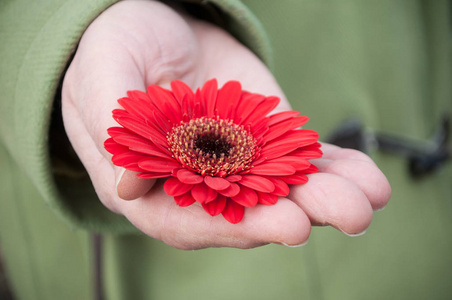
(213, 147)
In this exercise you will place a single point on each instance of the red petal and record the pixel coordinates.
(295, 179)
(134, 167)
(114, 131)
(158, 165)
(114, 148)
(198, 106)
(160, 122)
(257, 183)
(267, 199)
(247, 106)
(149, 175)
(173, 187)
(209, 92)
(282, 116)
(216, 206)
(233, 212)
(217, 183)
(233, 178)
(142, 99)
(139, 144)
(231, 191)
(262, 110)
(181, 90)
(259, 129)
(281, 188)
(296, 162)
(187, 176)
(122, 113)
(283, 127)
(228, 97)
(126, 158)
(137, 108)
(147, 150)
(184, 200)
(188, 107)
(246, 197)
(276, 151)
(312, 169)
(202, 193)
(142, 129)
(301, 137)
(299, 121)
(160, 96)
(165, 102)
(273, 169)
(129, 139)
(311, 151)
(138, 96)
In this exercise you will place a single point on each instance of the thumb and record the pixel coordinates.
(129, 186)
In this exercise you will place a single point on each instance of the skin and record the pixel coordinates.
(137, 43)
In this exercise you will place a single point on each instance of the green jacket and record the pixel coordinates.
(385, 62)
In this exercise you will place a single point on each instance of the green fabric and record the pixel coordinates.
(41, 37)
(375, 59)
(387, 62)
(43, 258)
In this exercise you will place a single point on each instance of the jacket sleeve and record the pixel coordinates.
(38, 40)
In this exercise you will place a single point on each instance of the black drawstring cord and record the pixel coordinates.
(423, 157)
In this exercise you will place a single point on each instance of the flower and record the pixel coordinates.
(217, 146)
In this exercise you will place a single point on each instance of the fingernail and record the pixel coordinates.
(352, 234)
(380, 209)
(293, 246)
(121, 173)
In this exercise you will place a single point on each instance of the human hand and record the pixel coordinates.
(137, 43)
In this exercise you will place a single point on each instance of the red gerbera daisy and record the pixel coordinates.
(217, 146)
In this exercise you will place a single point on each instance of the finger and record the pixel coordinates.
(363, 174)
(157, 215)
(360, 169)
(328, 199)
(335, 152)
(131, 187)
(191, 227)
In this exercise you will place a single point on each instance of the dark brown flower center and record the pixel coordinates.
(213, 146)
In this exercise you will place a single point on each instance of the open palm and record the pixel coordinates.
(137, 43)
